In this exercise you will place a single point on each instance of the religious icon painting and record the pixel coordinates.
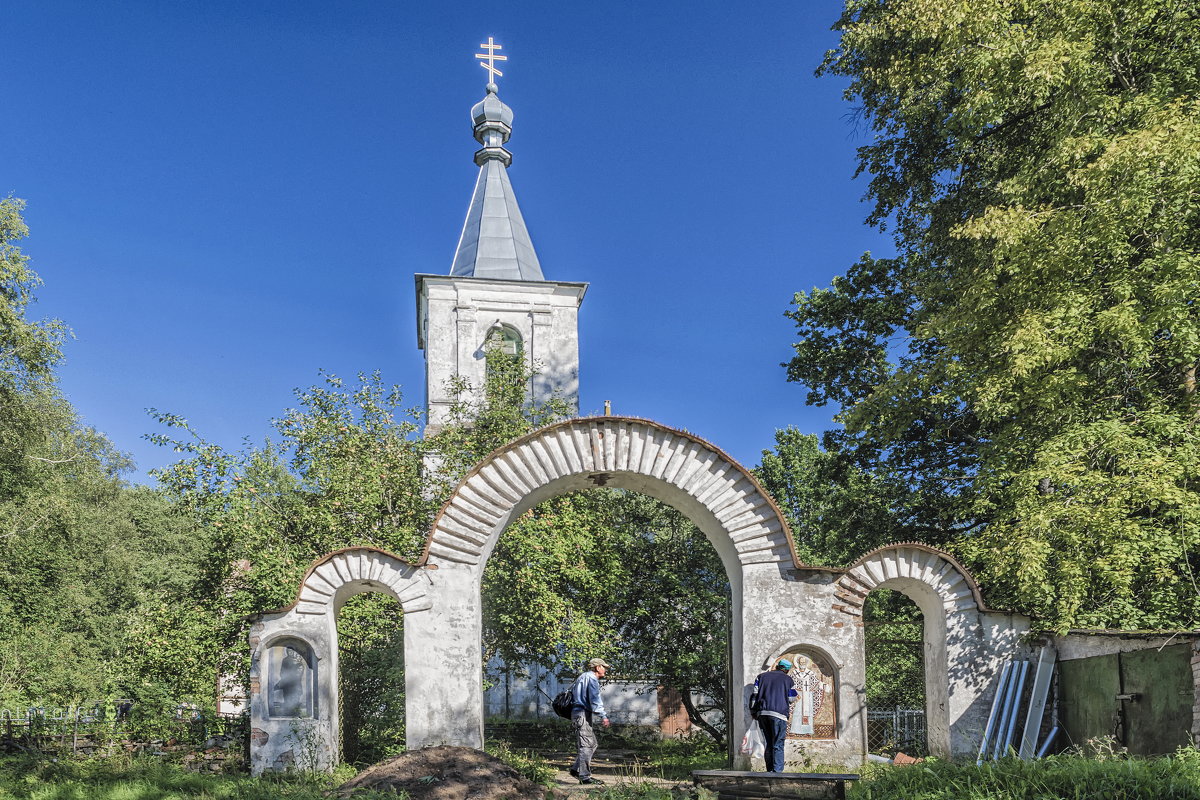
(814, 712)
(290, 679)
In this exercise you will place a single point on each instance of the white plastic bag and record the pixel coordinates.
(753, 743)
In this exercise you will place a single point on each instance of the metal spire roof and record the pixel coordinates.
(495, 242)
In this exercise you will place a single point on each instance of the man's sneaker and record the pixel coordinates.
(591, 780)
(574, 772)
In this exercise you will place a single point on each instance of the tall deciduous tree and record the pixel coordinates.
(1026, 364)
(30, 409)
(836, 509)
(345, 471)
(87, 560)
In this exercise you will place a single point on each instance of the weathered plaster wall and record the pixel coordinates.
(786, 609)
(1088, 643)
(282, 743)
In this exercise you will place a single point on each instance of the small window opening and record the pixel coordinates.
(504, 339)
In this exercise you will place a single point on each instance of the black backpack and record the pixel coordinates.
(564, 701)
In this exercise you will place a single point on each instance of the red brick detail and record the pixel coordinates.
(673, 719)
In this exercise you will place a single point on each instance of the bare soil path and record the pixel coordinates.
(460, 773)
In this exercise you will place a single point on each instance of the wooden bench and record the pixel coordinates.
(733, 785)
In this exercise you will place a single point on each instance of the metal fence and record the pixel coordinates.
(896, 730)
(105, 727)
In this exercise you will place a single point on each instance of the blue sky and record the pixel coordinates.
(226, 197)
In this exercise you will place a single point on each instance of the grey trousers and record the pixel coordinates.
(585, 743)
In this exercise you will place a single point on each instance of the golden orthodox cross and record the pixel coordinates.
(488, 60)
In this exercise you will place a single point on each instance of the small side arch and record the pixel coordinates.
(339, 575)
(950, 604)
(298, 683)
(789, 646)
(290, 676)
(907, 563)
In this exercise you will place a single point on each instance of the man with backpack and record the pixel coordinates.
(586, 706)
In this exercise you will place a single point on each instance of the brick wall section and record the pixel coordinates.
(673, 719)
(1196, 684)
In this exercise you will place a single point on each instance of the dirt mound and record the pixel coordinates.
(447, 773)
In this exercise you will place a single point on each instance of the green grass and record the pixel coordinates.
(526, 762)
(146, 778)
(1066, 777)
(675, 759)
(1175, 777)
(646, 791)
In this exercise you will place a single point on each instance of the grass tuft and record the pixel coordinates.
(1071, 777)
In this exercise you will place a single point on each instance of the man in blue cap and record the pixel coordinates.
(770, 702)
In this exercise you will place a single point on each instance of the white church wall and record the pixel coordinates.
(455, 316)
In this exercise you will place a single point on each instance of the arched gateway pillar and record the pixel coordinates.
(773, 604)
(294, 720)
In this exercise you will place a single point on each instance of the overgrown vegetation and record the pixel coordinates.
(88, 561)
(1066, 777)
(1019, 382)
(143, 777)
(895, 668)
(1069, 777)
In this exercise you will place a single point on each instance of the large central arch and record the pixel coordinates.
(721, 497)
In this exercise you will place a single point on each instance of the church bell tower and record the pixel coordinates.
(495, 291)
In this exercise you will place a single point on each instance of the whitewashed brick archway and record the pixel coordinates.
(721, 497)
(777, 602)
(951, 606)
(301, 729)
(610, 451)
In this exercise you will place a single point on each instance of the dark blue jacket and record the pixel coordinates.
(773, 694)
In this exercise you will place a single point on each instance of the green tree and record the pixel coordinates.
(87, 559)
(30, 409)
(345, 472)
(672, 609)
(836, 509)
(1026, 363)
